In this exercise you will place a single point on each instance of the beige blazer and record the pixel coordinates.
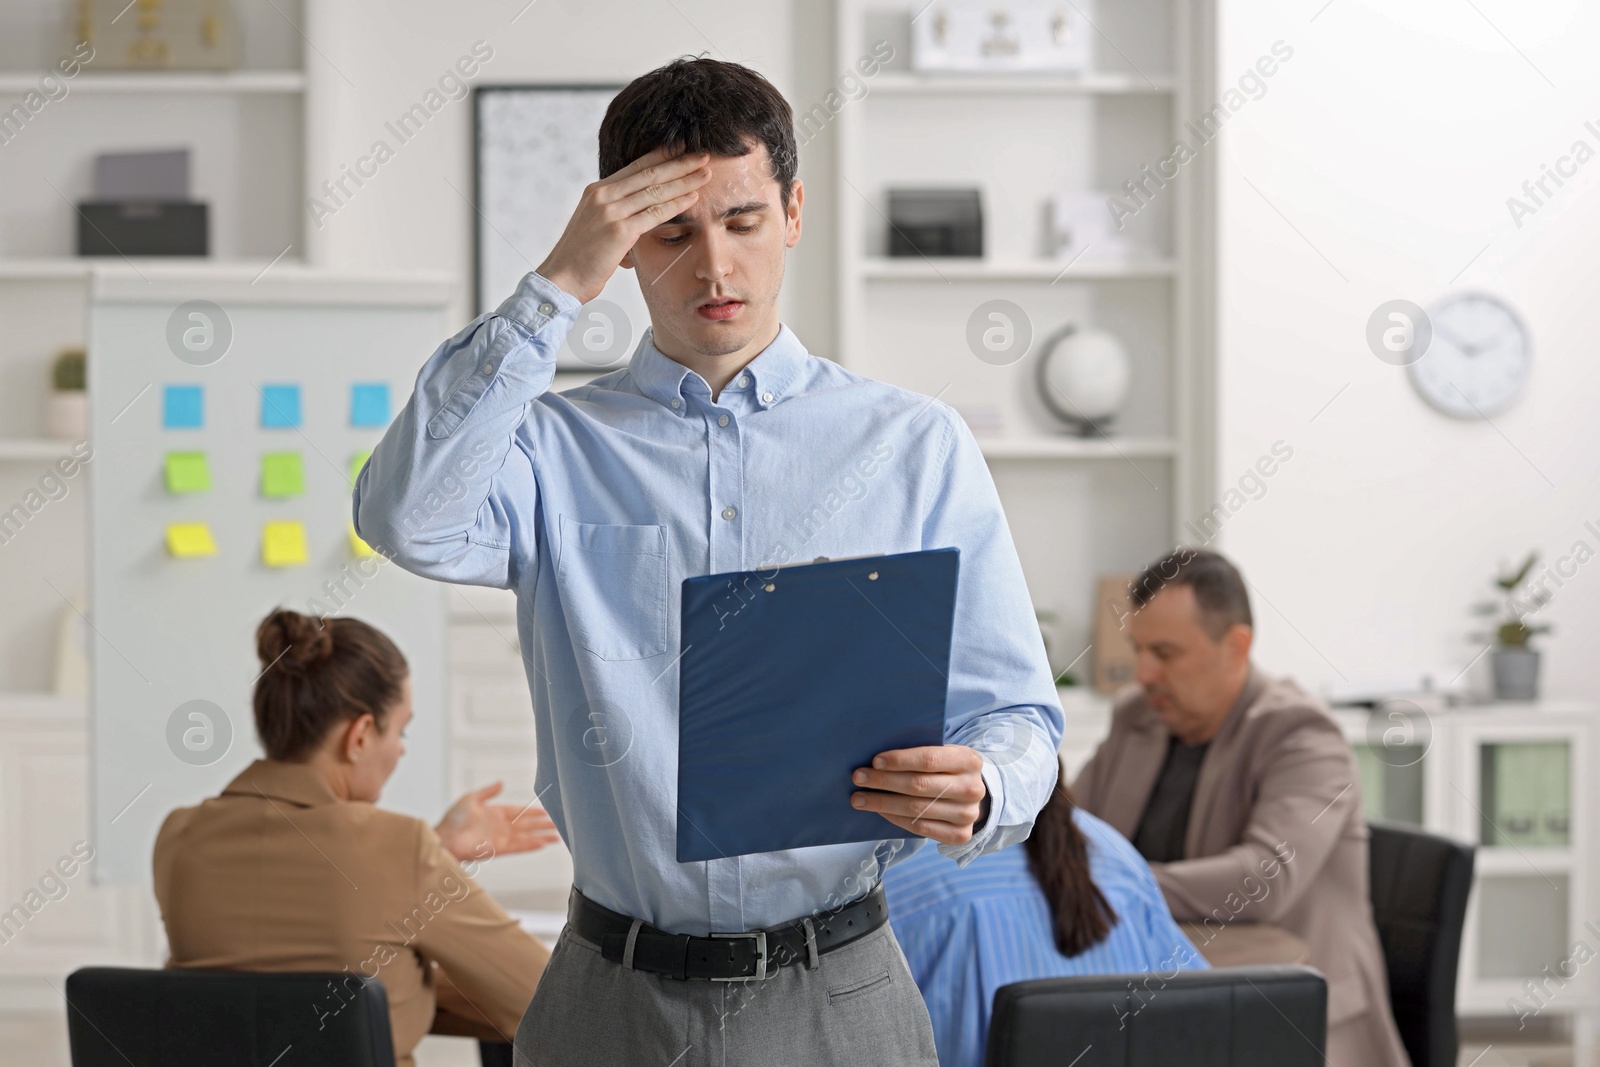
(278, 874)
(1276, 835)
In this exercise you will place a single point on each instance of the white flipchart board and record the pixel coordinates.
(168, 631)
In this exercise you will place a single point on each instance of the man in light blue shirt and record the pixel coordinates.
(722, 446)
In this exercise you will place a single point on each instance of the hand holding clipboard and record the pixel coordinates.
(793, 681)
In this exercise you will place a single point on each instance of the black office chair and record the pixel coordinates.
(1420, 884)
(1231, 1017)
(118, 1016)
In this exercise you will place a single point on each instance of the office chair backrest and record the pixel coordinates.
(1420, 884)
(1233, 1017)
(117, 1016)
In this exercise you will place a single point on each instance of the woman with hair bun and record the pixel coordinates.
(293, 867)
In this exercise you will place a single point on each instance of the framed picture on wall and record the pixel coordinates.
(535, 148)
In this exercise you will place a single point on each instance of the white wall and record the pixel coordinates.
(1390, 142)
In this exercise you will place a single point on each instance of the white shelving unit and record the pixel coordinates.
(255, 149)
(251, 134)
(1077, 507)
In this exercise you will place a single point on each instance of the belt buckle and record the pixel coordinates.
(760, 938)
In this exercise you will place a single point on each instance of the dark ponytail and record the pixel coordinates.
(1058, 854)
(318, 674)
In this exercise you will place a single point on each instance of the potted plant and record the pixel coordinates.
(1047, 621)
(1515, 665)
(68, 414)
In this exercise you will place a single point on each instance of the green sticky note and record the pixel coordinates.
(282, 475)
(358, 461)
(187, 472)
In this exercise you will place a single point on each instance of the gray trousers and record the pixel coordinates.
(857, 1005)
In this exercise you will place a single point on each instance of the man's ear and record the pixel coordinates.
(1239, 638)
(797, 195)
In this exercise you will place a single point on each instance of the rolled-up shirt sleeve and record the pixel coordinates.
(1001, 698)
(448, 493)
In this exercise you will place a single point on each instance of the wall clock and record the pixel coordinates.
(1477, 363)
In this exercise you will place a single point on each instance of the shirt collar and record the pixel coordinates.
(771, 373)
(295, 783)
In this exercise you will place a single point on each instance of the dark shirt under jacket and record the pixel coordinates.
(1159, 837)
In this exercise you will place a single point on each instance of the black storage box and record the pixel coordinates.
(142, 228)
(935, 222)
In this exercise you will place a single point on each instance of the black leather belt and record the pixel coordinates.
(735, 957)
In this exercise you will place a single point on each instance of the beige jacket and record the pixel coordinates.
(1276, 834)
(278, 874)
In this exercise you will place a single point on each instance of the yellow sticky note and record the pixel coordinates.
(283, 544)
(359, 548)
(189, 540)
(358, 461)
(187, 472)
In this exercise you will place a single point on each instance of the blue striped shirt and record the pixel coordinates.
(967, 931)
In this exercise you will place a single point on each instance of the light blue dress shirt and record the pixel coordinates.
(595, 503)
(968, 931)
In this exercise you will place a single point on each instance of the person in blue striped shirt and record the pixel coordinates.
(1075, 898)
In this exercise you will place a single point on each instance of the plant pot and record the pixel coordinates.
(1516, 673)
(67, 417)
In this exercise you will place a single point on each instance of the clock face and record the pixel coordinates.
(1477, 363)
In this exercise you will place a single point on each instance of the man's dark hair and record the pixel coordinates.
(1219, 592)
(701, 105)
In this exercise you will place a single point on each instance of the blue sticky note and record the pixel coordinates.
(280, 406)
(182, 407)
(369, 404)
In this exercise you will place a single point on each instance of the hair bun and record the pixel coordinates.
(289, 639)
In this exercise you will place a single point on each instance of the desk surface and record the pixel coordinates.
(1246, 944)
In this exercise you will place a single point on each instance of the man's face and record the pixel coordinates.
(1190, 679)
(729, 246)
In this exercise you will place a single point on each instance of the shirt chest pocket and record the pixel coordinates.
(613, 582)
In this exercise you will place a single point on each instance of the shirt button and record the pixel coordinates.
(742, 382)
(766, 398)
(729, 513)
(677, 403)
(488, 370)
(546, 308)
(722, 420)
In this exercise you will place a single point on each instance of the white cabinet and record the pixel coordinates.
(53, 918)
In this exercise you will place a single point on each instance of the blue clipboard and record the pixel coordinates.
(789, 679)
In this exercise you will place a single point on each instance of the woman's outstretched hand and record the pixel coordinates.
(473, 823)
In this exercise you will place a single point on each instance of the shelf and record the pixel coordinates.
(233, 81)
(43, 269)
(38, 448)
(957, 268)
(50, 706)
(1025, 84)
(1063, 447)
(77, 268)
(1500, 861)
